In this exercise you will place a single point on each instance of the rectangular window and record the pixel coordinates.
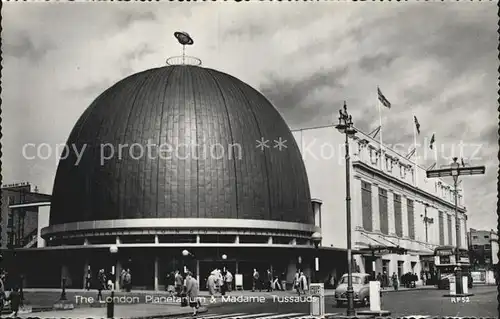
(459, 240)
(398, 217)
(366, 205)
(487, 237)
(474, 237)
(441, 228)
(411, 219)
(384, 216)
(450, 236)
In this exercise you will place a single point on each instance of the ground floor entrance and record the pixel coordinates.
(153, 268)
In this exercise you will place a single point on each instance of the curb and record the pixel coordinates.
(169, 315)
(411, 289)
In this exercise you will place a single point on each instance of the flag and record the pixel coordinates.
(432, 141)
(417, 125)
(383, 99)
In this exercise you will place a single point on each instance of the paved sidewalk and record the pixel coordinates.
(121, 311)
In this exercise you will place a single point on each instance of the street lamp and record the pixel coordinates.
(455, 171)
(113, 249)
(316, 239)
(186, 253)
(224, 257)
(346, 127)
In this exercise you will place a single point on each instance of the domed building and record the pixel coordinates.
(183, 167)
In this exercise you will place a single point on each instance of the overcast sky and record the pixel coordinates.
(437, 61)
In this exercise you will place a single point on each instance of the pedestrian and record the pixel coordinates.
(211, 284)
(269, 281)
(296, 282)
(192, 292)
(277, 284)
(127, 280)
(2, 291)
(379, 279)
(101, 283)
(229, 281)
(256, 282)
(385, 280)
(122, 279)
(223, 286)
(395, 281)
(88, 279)
(15, 301)
(179, 283)
(303, 283)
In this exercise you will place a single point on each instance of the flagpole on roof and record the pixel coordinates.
(415, 148)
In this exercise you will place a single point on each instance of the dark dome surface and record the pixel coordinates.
(178, 106)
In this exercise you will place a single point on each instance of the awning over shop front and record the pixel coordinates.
(379, 246)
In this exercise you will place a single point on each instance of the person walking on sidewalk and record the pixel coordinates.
(379, 279)
(296, 282)
(178, 283)
(395, 283)
(101, 283)
(15, 301)
(303, 283)
(229, 281)
(2, 292)
(256, 282)
(88, 279)
(127, 281)
(211, 284)
(192, 288)
(269, 281)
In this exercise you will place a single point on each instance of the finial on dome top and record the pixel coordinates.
(184, 39)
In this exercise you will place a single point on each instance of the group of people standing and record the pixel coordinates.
(104, 282)
(220, 280)
(187, 289)
(384, 280)
(270, 281)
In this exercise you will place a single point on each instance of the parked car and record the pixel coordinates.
(360, 285)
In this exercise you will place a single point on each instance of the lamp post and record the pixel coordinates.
(345, 126)
(316, 239)
(455, 171)
(113, 249)
(186, 253)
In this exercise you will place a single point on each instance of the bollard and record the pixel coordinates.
(111, 306)
(317, 305)
(375, 296)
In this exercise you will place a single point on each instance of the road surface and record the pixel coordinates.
(418, 303)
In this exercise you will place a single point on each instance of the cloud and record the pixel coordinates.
(23, 46)
(125, 19)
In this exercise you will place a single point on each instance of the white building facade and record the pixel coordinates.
(398, 216)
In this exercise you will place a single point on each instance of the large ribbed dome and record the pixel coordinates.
(210, 167)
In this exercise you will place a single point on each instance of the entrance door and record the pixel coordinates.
(400, 268)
